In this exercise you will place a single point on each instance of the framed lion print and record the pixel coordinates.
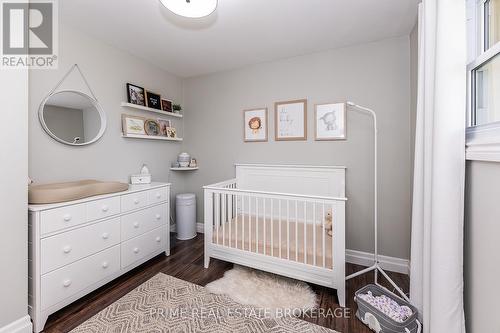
(255, 125)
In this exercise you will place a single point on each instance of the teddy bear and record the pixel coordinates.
(329, 223)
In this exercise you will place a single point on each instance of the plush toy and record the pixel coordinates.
(329, 223)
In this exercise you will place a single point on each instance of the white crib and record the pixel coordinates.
(272, 218)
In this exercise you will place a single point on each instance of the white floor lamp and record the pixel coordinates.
(376, 266)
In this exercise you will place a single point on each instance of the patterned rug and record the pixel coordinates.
(167, 304)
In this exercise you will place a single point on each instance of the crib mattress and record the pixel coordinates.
(247, 233)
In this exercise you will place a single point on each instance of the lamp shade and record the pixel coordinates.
(191, 8)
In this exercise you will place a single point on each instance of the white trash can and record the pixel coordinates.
(185, 208)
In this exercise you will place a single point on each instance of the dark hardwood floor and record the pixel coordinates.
(186, 263)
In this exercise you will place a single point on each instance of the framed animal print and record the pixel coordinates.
(255, 125)
(290, 120)
(135, 95)
(330, 121)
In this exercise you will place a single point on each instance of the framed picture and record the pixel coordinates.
(153, 100)
(330, 121)
(166, 105)
(171, 132)
(135, 94)
(290, 122)
(164, 124)
(255, 125)
(133, 125)
(152, 127)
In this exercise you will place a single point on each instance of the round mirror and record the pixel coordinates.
(72, 117)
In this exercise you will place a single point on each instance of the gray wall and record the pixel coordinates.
(14, 196)
(482, 229)
(113, 157)
(375, 75)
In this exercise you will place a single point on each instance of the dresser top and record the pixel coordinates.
(131, 189)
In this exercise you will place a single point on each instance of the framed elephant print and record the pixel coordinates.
(330, 121)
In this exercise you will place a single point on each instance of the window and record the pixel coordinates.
(485, 65)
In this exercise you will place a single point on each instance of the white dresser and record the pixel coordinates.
(76, 247)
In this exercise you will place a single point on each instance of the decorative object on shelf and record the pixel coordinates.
(166, 105)
(171, 132)
(183, 159)
(164, 124)
(133, 125)
(330, 121)
(193, 163)
(144, 177)
(190, 9)
(153, 100)
(177, 108)
(175, 165)
(152, 127)
(136, 95)
(290, 120)
(255, 125)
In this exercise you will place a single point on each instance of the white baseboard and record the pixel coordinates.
(391, 264)
(22, 325)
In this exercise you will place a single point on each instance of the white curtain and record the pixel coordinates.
(438, 195)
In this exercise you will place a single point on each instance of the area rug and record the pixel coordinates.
(275, 294)
(167, 304)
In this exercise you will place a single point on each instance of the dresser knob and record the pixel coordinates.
(136, 225)
(158, 239)
(105, 265)
(105, 208)
(67, 217)
(136, 201)
(158, 216)
(105, 235)
(66, 283)
(67, 249)
(158, 195)
(136, 250)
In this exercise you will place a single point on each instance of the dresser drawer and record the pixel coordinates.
(60, 218)
(157, 195)
(103, 208)
(137, 223)
(134, 201)
(138, 248)
(69, 280)
(68, 247)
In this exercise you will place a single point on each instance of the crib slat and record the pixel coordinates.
(236, 221)
(288, 229)
(279, 230)
(217, 212)
(305, 232)
(230, 218)
(272, 228)
(243, 222)
(250, 224)
(333, 235)
(264, 231)
(296, 230)
(224, 216)
(323, 233)
(256, 224)
(314, 233)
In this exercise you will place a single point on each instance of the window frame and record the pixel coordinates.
(482, 141)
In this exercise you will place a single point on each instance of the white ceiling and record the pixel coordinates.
(240, 32)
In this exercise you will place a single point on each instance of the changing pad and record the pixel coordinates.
(62, 192)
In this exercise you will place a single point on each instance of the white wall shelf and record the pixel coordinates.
(151, 137)
(144, 108)
(183, 169)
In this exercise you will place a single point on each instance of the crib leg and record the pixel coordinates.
(207, 260)
(341, 295)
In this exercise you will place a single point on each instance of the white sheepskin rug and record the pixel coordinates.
(276, 294)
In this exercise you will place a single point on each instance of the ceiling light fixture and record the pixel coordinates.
(191, 8)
